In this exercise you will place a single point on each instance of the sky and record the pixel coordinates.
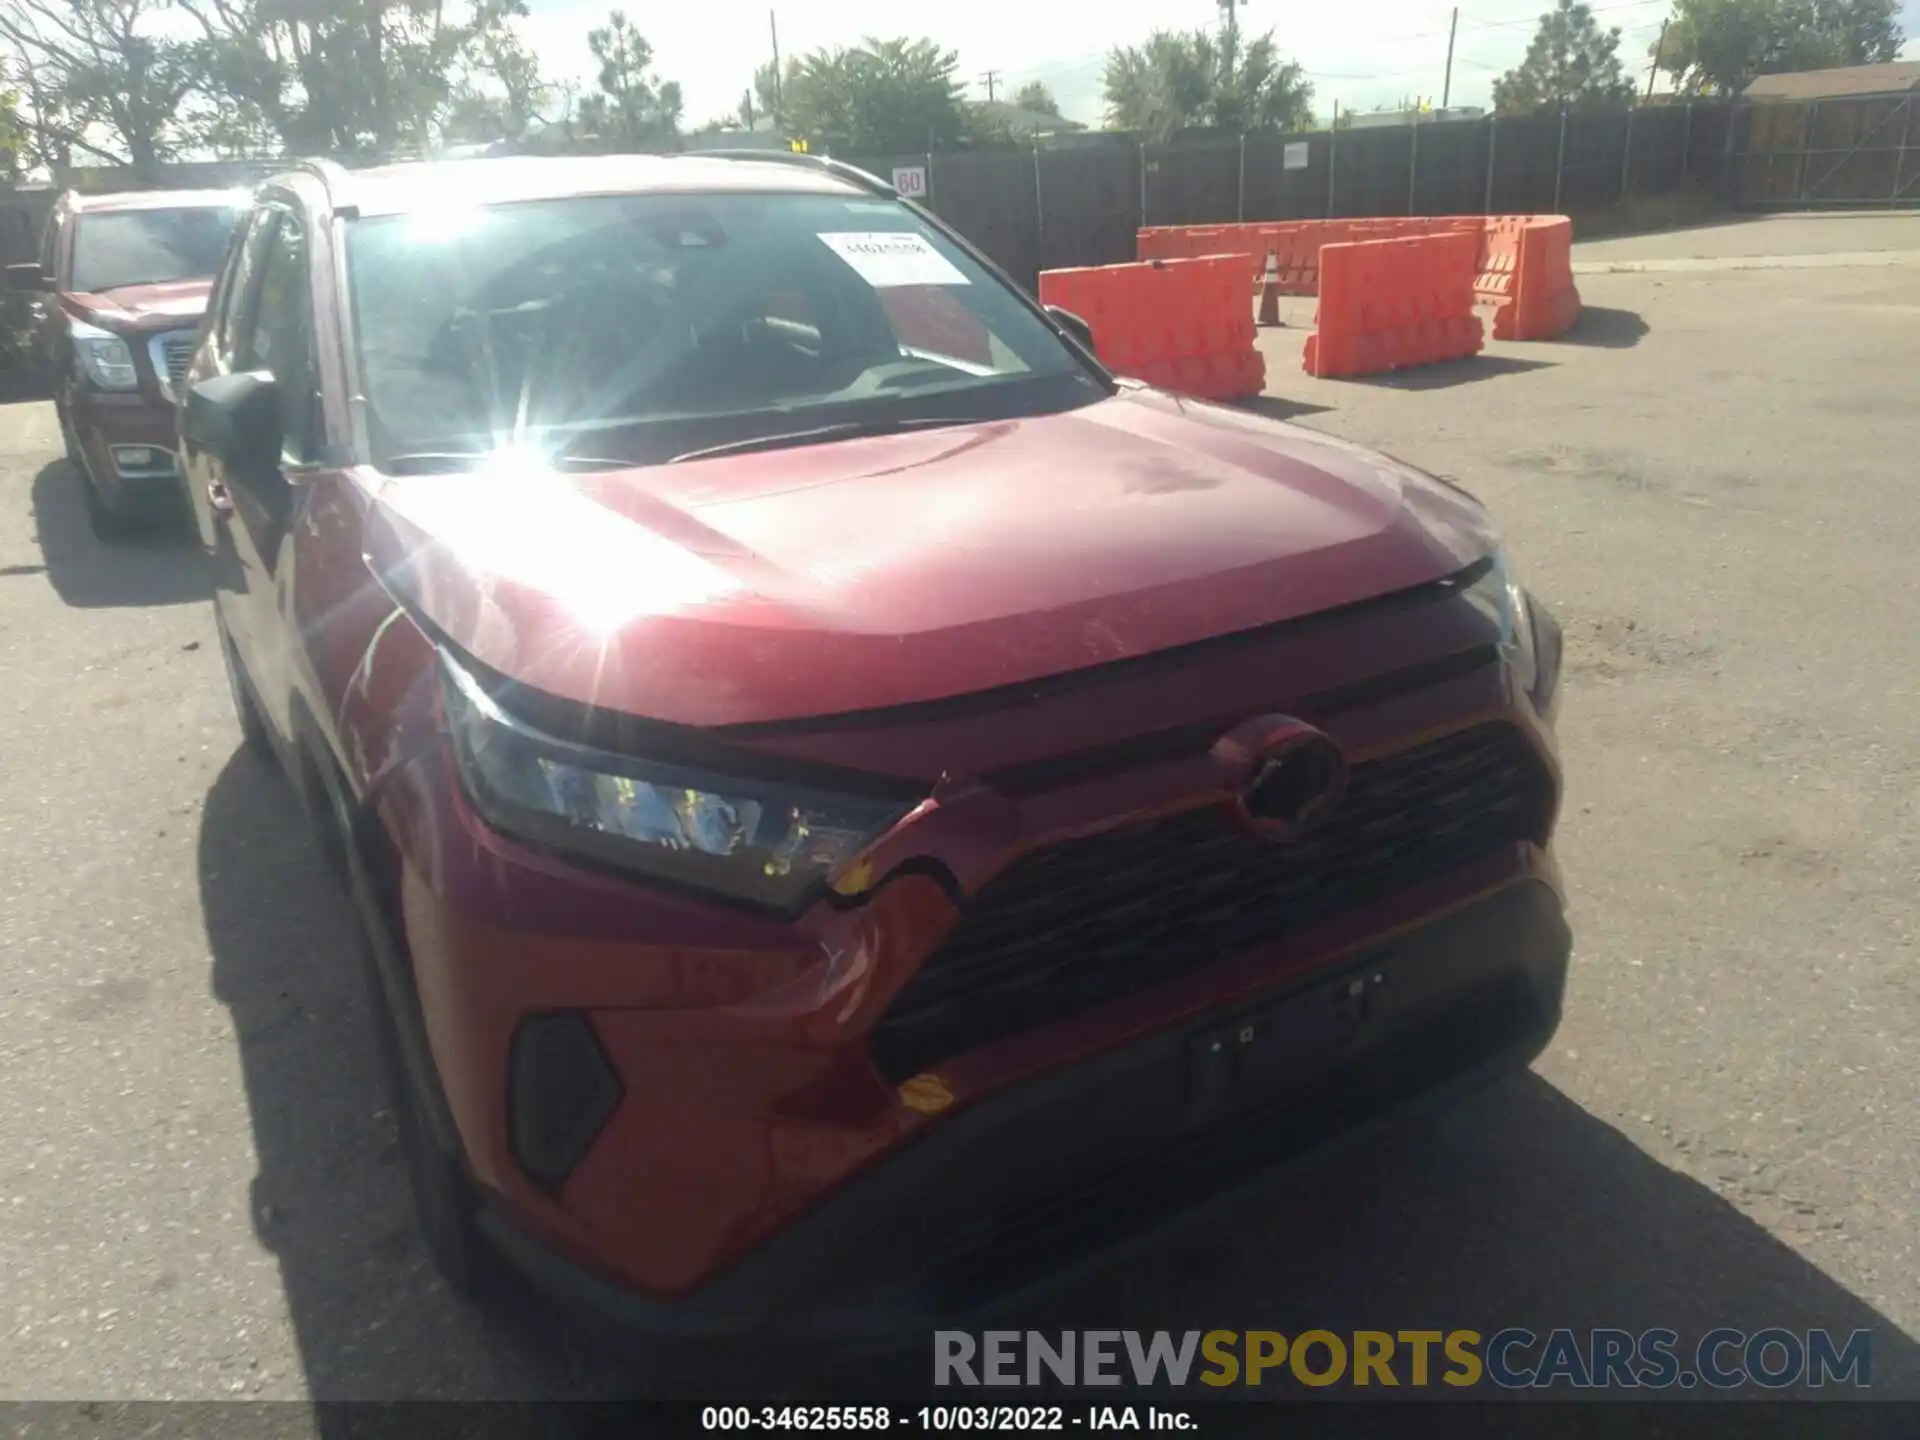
(1363, 53)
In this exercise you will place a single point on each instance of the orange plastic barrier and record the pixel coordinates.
(1524, 270)
(1185, 325)
(1297, 244)
(1294, 243)
(1526, 276)
(1389, 304)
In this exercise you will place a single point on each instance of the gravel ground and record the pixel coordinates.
(1711, 480)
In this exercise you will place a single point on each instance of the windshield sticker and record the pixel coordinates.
(889, 258)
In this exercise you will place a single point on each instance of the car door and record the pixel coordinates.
(206, 481)
(274, 336)
(47, 347)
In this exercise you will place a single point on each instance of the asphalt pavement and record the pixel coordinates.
(1712, 480)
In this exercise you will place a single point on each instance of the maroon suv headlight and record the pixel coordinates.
(1547, 647)
(103, 358)
(760, 842)
(1530, 640)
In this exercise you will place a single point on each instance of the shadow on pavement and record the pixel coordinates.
(330, 1200)
(1514, 1208)
(1447, 374)
(1604, 329)
(159, 566)
(1276, 407)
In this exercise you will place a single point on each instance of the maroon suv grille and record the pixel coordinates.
(178, 349)
(1077, 925)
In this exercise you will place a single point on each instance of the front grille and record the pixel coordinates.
(172, 354)
(1077, 925)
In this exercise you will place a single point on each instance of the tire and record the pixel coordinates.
(253, 729)
(446, 1206)
(67, 438)
(107, 527)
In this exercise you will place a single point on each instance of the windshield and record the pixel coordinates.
(145, 247)
(642, 328)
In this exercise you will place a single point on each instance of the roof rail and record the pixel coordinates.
(329, 172)
(851, 173)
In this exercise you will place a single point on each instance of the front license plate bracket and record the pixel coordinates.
(1286, 1041)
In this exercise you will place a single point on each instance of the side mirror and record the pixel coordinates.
(1079, 329)
(238, 419)
(28, 277)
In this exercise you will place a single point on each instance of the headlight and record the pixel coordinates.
(103, 357)
(1547, 649)
(762, 842)
(1498, 596)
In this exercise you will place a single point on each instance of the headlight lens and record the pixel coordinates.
(762, 842)
(104, 358)
(1498, 596)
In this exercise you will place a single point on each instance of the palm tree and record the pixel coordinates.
(1181, 80)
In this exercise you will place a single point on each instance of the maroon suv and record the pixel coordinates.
(856, 810)
(128, 276)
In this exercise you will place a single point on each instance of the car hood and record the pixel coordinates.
(165, 306)
(884, 571)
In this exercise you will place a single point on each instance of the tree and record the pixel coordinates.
(348, 75)
(1572, 63)
(15, 143)
(500, 91)
(882, 95)
(237, 130)
(1180, 80)
(1719, 46)
(631, 108)
(1035, 96)
(102, 68)
(768, 93)
(499, 58)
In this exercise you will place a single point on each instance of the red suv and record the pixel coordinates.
(856, 810)
(128, 276)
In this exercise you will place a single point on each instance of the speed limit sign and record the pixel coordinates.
(911, 181)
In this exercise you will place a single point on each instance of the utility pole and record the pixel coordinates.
(1654, 68)
(779, 110)
(990, 77)
(1446, 88)
(1230, 34)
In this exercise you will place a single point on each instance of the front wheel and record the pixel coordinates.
(69, 439)
(107, 526)
(444, 1201)
(253, 729)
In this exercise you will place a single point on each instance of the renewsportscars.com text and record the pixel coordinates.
(1514, 1358)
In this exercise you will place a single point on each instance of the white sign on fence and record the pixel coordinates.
(1294, 156)
(911, 181)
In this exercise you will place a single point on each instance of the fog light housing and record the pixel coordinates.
(137, 460)
(561, 1091)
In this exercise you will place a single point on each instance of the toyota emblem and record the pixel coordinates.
(1292, 775)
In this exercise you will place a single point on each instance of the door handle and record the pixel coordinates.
(219, 497)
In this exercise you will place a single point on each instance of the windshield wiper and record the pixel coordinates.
(845, 430)
(454, 462)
